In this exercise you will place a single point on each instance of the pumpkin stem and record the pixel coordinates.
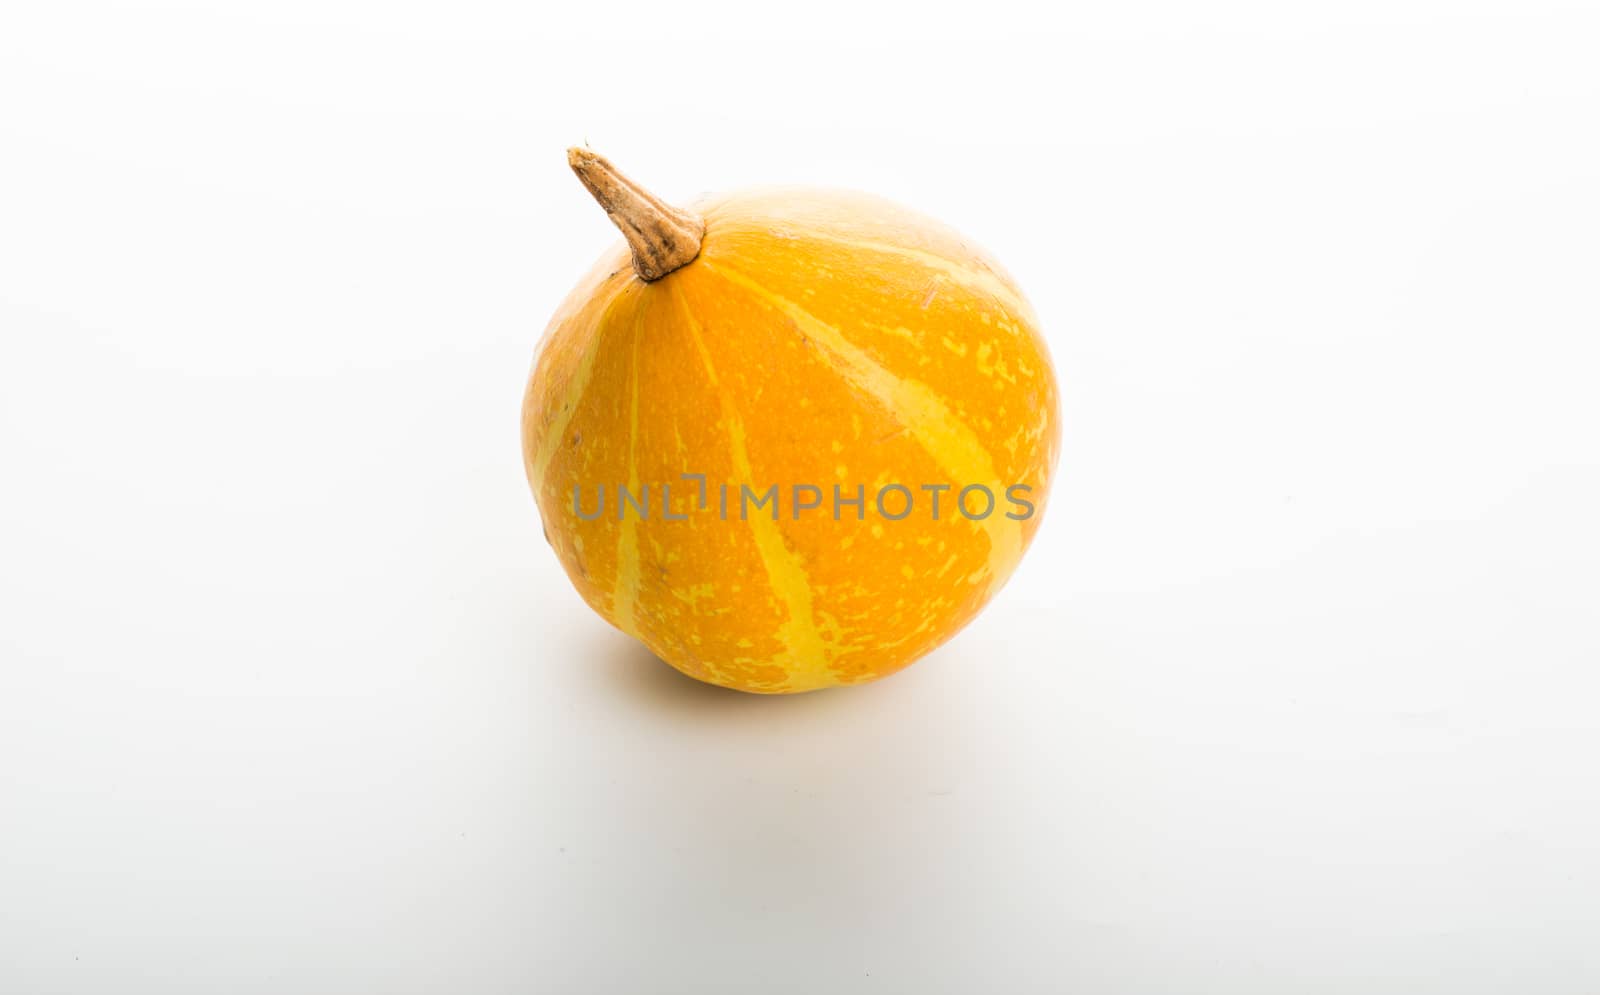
(662, 238)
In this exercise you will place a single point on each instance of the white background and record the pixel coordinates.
(1296, 691)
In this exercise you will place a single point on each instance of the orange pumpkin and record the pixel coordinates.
(810, 348)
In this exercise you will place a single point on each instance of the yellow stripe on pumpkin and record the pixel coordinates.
(573, 393)
(807, 653)
(625, 593)
(971, 277)
(953, 446)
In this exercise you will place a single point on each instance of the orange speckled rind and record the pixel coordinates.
(819, 337)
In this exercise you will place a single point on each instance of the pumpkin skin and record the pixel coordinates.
(818, 338)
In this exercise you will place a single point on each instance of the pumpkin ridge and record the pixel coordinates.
(808, 652)
(950, 442)
(971, 277)
(573, 394)
(625, 590)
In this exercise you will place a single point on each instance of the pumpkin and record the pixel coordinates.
(790, 438)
